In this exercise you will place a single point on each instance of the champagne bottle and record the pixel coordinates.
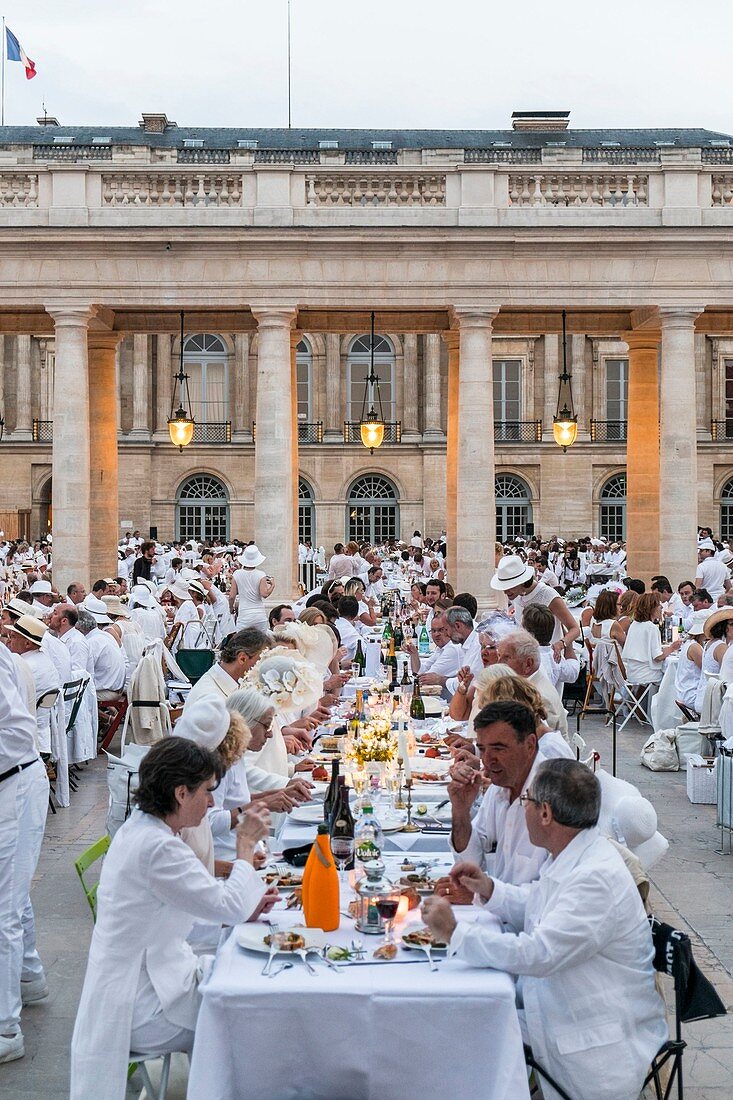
(391, 664)
(399, 637)
(423, 645)
(321, 885)
(417, 706)
(359, 658)
(330, 800)
(404, 686)
(342, 819)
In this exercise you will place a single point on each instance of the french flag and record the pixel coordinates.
(15, 52)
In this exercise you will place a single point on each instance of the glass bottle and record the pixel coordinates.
(368, 836)
(423, 645)
(359, 658)
(342, 819)
(330, 799)
(321, 885)
(417, 706)
(391, 664)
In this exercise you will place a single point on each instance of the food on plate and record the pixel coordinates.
(422, 937)
(329, 744)
(295, 901)
(433, 753)
(320, 774)
(407, 865)
(419, 882)
(430, 777)
(431, 689)
(386, 951)
(426, 738)
(283, 878)
(285, 941)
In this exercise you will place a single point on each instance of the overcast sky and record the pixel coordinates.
(390, 63)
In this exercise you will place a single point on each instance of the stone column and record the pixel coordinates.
(3, 407)
(475, 493)
(163, 381)
(333, 427)
(295, 337)
(451, 450)
(70, 455)
(410, 428)
(140, 398)
(103, 461)
(432, 427)
(241, 418)
(678, 451)
(23, 416)
(275, 446)
(642, 455)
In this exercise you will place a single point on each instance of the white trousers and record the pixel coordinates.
(23, 809)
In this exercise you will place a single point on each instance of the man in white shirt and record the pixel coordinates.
(521, 652)
(62, 624)
(577, 938)
(434, 591)
(76, 593)
(712, 573)
(464, 635)
(43, 597)
(445, 659)
(563, 669)
(25, 637)
(375, 587)
(348, 609)
(108, 660)
(341, 563)
(23, 807)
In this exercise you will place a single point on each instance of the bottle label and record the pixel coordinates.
(367, 850)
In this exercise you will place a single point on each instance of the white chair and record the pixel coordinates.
(633, 698)
(150, 1091)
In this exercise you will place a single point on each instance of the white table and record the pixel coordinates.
(367, 1033)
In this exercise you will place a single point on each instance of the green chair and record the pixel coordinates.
(84, 862)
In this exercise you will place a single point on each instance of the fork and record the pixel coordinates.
(302, 954)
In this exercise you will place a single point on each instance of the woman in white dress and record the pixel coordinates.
(186, 630)
(141, 990)
(643, 653)
(520, 584)
(604, 620)
(689, 670)
(719, 633)
(250, 587)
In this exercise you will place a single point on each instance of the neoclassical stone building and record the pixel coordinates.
(278, 244)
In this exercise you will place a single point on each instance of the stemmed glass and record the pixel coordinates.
(342, 850)
(387, 905)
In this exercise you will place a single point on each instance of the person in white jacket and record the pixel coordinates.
(141, 989)
(580, 944)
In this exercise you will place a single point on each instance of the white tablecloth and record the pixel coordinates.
(665, 713)
(367, 1033)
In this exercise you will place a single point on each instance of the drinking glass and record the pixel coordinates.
(387, 905)
(342, 850)
(355, 669)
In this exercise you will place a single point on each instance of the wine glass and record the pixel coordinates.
(355, 670)
(342, 850)
(387, 905)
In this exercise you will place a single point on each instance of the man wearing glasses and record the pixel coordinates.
(577, 939)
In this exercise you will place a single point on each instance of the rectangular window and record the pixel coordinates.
(613, 522)
(726, 521)
(358, 374)
(617, 389)
(728, 367)
(207, 387)
(507, 390)
(304, 391)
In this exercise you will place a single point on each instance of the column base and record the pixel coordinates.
(411, 435)
(21, 435)
(432, 435)
(242, 437)
(138, 435)
(333, 435)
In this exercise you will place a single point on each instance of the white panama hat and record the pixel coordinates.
(251, 557)
(511, 572)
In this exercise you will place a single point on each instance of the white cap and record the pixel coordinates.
(204, 721)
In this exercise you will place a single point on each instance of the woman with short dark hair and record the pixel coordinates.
(141, 990)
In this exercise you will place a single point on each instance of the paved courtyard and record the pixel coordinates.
(693, 889)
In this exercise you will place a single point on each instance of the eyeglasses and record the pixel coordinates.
(527, 797)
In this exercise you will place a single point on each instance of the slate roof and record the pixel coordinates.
(227, 138)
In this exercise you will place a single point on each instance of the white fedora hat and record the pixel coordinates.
(30, 628)
(41, 588)
(511, 572)
(179, 590)
(251, 557)
(96, 609)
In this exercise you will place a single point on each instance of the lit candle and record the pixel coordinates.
(403, 908)
(403, 752)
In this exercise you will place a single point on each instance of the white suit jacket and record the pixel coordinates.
(583, 952)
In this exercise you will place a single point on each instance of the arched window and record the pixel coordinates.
(205, 361)
(513, 507)
(304, 370)
(357, 372)
(372, 513)
(613, 509)
(202, 511)
(306, 511)
(726, 510)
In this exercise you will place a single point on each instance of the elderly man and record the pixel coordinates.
(23, 807)
(107, 658)
(43, 597)
(76, 593)
(521, 652)
(25, 637)
(465, 637)
(62, 623)
(579, 943)
(445, 659)
(712, 573)
(561, 668)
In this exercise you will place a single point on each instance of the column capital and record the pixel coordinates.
(274, 316)
(679, 316)
(70, 314)
(643, 339)
(101, 341)
(450, 336)
(472, 316)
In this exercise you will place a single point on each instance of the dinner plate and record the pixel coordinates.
(431, 781)
(307, 815)
(294, 878)
(416, 947)
(252, 938)
(392, 823)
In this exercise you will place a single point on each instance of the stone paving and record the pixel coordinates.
(693, 889)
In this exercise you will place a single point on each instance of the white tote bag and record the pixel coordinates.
(660, 752)
(122, 781)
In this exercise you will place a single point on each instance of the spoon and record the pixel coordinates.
(283, 966)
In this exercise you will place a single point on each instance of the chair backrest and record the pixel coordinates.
(84, 862)
(695, 996)
(619, 659)
(48, 699)
(74, 693)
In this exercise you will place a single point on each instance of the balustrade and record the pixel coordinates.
(18, 189)
(392, 190)
(171, 189)
(578, 189)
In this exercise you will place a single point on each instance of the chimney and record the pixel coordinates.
(156, 124)
(540, 120)
(47, 120)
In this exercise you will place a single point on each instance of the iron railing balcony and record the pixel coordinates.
(720, 430)
(42, 431)
(517, 431)
(309, 431)
(392, 431)
(212, 432)
(608, 431)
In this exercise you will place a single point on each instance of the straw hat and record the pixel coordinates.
(706, 544)
(719, 616)
(30, 628)
(511, 572)
(141, 596)
(41, 588)
(251, 557)
(204, 721)
(196, 586)
(16, 608)
(115, 607)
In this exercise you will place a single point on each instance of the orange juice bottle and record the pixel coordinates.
(321, 885)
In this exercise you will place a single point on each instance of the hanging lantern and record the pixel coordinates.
(565, 420)
(180, 424)
(371, 423)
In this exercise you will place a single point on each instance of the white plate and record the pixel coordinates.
(414, 946)
(280, 886)
(438, 781)
(252, 938)
(393, 823)
(307, 815)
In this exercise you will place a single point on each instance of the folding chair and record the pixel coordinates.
(531, 1063)
(694, 999)
(84, 862)
(689, 715)
(73, 695)
(46, 702)
(635, 703)
(111, 712)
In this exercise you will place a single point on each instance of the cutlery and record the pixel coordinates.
(381, 962)
(270, 957)
(302, 955)
(442, 804)
(329, 962)
(431, 960)
(283, 966)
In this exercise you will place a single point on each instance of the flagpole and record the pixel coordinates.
(289, 118)
(2, 79)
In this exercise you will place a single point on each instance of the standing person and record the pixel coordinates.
(522, 588)
(712, 573)
(25, 638)
(341, 563)
(186, 621)
(143, 566)
(23, 808)
(251, 587)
